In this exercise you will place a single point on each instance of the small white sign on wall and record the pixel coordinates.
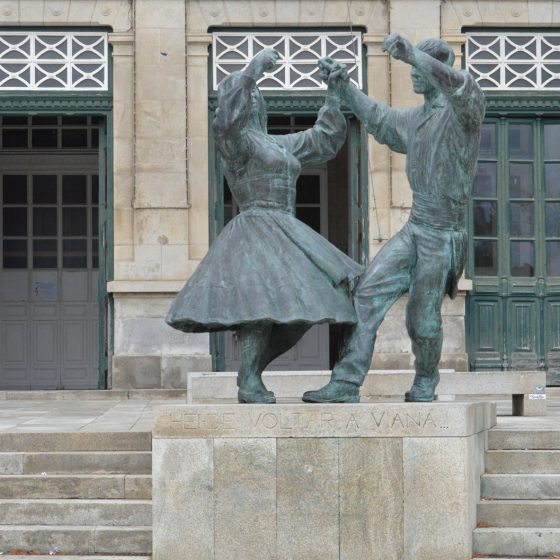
(45, 291)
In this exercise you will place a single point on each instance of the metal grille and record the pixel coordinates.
(53, 61)
(515, 61)
(299, 54)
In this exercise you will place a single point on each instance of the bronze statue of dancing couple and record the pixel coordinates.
(270, 277)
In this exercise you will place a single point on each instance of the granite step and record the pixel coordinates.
(520, 486)
(523, 462)
(65, 557)
(76, 540)
(81, 462)
(516, 542)
(75, 441)
(105, 487)
(76, 512)
(523, 439)
(519, 513)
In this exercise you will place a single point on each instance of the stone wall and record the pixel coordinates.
(160, 172)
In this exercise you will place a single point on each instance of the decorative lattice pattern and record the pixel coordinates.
(53, 61)
(299, 54)
(515, 61)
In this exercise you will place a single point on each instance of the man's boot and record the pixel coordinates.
(334, 392)
(424, 387)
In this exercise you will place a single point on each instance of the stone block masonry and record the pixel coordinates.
(396, 481)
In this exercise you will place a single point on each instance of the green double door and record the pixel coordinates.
(513, 313)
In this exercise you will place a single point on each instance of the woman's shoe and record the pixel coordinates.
(255, 397)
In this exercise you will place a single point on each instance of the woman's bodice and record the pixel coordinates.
(262, 169)
(268, 179)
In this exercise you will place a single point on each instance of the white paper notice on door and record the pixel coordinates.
(45, 291)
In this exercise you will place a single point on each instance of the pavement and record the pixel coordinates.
(60, 414)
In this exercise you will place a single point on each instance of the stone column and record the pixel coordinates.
(123, 143)
(197, 152)
(153, 220)
(379, 156)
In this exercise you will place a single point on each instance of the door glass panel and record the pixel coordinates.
(308, 189)
(15, 253)
(14, 120)
(74, 189)
(552, 141)
(74, 221)
(552, 219)
(485, 218)
(310, 216)
(487, 141)
(44, 138)
(522, 258)
(74, 120)
(44, 189)
(95, 253)
(14, 138)
(95, 189)
(74, 138)
(521, 222)
(74, 253)
(42, 121)
(15, 221)
(44, 222)
(553, 258)
(94, 221)
(521, 180)
(485, 180)
(44, 253)
(14, 189)
(521, 141)
(485, 258)
(552, 179)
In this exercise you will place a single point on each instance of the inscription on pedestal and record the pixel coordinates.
(365, 420)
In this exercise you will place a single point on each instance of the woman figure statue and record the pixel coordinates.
(268, 276)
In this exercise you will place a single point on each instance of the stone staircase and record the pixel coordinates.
(75, 495)
(519, 511)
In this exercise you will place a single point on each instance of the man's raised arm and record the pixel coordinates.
(387, 125)
(443, 77)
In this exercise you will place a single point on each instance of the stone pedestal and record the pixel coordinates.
(391, 481)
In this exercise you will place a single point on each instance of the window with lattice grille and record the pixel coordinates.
(300, 52)
(522, 61)
(53, 61)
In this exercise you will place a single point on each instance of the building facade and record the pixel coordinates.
(112, 190)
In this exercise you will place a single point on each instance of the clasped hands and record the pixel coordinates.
(332, 72)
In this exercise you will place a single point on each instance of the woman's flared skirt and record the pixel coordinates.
(266, 266)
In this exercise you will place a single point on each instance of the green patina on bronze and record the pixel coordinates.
(268, 275)
(427, 257)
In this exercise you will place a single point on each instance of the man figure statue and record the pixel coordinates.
(426, 257)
